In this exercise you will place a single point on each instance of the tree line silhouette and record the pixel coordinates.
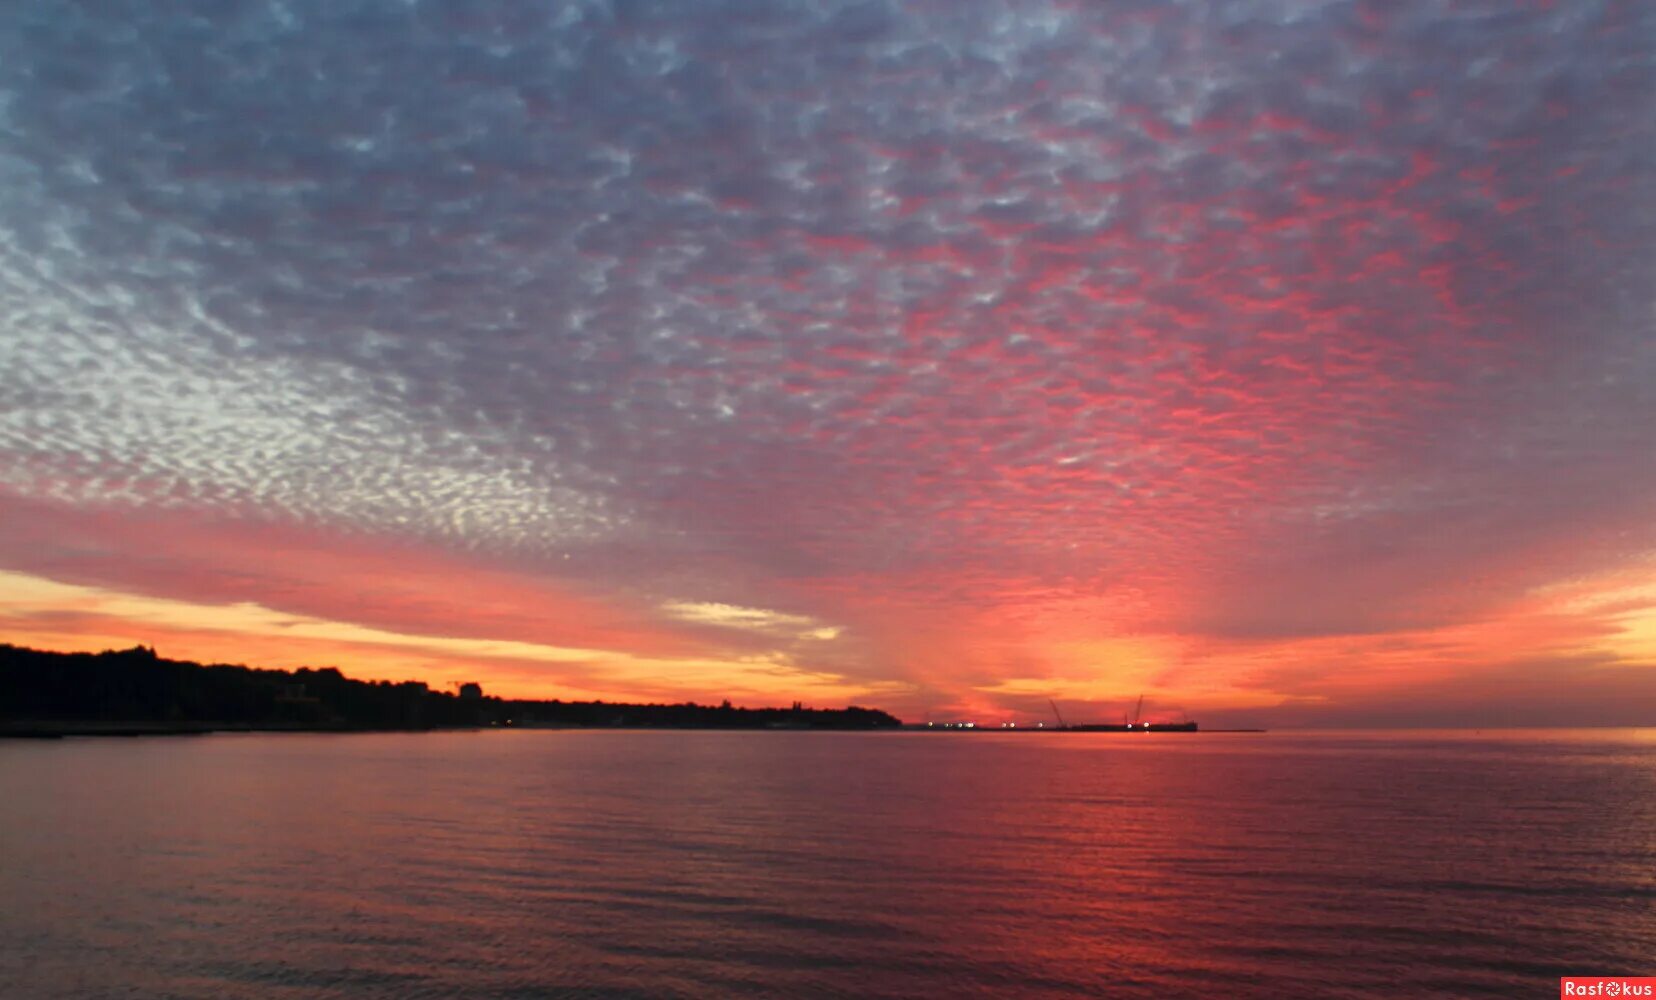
(43, 692)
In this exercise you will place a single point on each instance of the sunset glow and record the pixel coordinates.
(1285, 363)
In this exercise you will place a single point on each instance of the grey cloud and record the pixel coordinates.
(541, 276)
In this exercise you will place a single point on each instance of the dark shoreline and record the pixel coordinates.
(43, 730)
(46, 730)
(76, 730)
(136, 692)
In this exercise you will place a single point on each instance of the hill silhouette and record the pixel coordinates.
(137, 691)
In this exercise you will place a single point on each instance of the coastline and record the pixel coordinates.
(55, 730)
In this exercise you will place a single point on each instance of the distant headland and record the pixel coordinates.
(136, 692)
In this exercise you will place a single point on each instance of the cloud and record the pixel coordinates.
(1004, 325)
(753, 619)
(35, 606)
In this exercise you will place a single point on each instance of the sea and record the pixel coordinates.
(610, 864)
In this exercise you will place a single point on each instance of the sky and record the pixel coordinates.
(1285, 363)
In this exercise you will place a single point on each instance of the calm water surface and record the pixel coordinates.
(702, 864)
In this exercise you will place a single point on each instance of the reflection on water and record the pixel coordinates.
(610, 864)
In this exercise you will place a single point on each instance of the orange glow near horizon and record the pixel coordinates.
(68, 618)
(1601, 629)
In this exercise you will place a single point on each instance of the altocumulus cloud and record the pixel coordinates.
(1250, 321)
